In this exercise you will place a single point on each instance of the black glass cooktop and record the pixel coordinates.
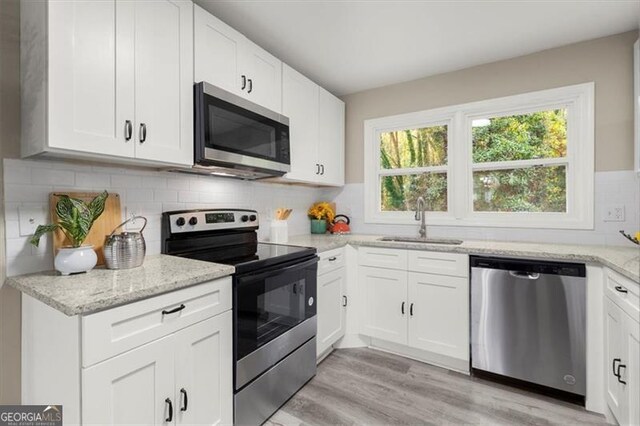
(248, 258)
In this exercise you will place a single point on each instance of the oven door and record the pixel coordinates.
(230, 130)
(274, 313)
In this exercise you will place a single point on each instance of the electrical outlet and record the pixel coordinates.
(30, 217)
(614, 213)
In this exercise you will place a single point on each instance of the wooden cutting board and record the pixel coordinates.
(110, 218)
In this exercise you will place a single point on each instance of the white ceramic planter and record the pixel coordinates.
(73, 260)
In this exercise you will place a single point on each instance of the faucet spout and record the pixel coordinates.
(420, 211)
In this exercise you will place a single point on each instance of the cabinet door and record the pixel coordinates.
(131, 388)
(91, 86)
(439, 314)
(330, 138)
(264, 77)
(300, 104)
(614, 326)
(164, 81)
(631, 373)
(385, 303)
(218, 51)
(204, 366)
(331, 317)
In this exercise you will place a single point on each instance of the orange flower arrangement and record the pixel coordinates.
(321, 211)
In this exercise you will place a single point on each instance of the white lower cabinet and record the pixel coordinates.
(424, 310)
(163, 360)
(622, 349)
(385, 303)
(332, 300)
(130, 388)
(439, 314)
(184, 378)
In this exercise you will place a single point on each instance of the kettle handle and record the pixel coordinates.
(129, 220)
(341, 215)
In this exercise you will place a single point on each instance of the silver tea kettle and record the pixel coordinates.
(127, 249)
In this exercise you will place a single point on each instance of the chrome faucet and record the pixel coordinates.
(420, 209)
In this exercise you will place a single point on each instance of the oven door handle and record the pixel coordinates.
(276, 271)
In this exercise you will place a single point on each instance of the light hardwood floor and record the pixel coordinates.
(369, 387)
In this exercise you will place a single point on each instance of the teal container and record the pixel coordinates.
(318, 226)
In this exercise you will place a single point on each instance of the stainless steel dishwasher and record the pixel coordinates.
(528, 322)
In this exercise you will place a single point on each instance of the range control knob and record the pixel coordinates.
(244, 218)
(193, 221)
(180, 221)
(253, 218)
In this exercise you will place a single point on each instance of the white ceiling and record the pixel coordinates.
(349, 46)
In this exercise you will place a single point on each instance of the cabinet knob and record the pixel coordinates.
(143, 132)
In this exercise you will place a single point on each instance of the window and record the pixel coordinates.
(520, 161)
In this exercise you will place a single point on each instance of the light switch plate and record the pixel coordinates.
(614, 213)
(30, 217)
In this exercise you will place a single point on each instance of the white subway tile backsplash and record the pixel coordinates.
(126, 181)
(43, 176)
(95, 181)
(165, 195)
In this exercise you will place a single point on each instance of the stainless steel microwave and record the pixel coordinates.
(237, 138)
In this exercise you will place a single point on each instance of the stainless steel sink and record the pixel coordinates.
(421, 240)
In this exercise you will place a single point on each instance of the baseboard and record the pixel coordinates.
(459, 365)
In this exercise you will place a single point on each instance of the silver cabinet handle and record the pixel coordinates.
(128, 130)
(143, 132)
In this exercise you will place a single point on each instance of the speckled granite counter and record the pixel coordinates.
(103, 288)
(625, 260)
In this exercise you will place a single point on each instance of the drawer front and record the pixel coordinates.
(330, 261)
(624, 292)
(452, 264)
(382, 258)
(114, 331)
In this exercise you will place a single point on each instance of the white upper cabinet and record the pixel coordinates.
(300, 104)
(108, 78)
(91, 83)
(227, 59)
(218, 51)
(164, 80)
(316, 130)
(264, 77)
(330, 138)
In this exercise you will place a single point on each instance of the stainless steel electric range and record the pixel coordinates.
(274, 308)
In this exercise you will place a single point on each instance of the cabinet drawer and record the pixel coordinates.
(114, 331)
(624, 292)
(331, 261)
(456, 265)
(382, 258)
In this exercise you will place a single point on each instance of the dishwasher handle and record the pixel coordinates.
(525, 275)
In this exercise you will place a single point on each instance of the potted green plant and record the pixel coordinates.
(75, 220)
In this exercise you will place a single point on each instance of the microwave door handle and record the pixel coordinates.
(278, 271)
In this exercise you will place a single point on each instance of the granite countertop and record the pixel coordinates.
(103, 288)
(624, 260)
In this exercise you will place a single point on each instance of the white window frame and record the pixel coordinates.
(578, 100)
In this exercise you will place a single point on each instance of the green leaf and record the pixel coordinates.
(40, 231)
(96, 206)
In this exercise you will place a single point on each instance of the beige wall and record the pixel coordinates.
(606, 61)
(9, 147)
